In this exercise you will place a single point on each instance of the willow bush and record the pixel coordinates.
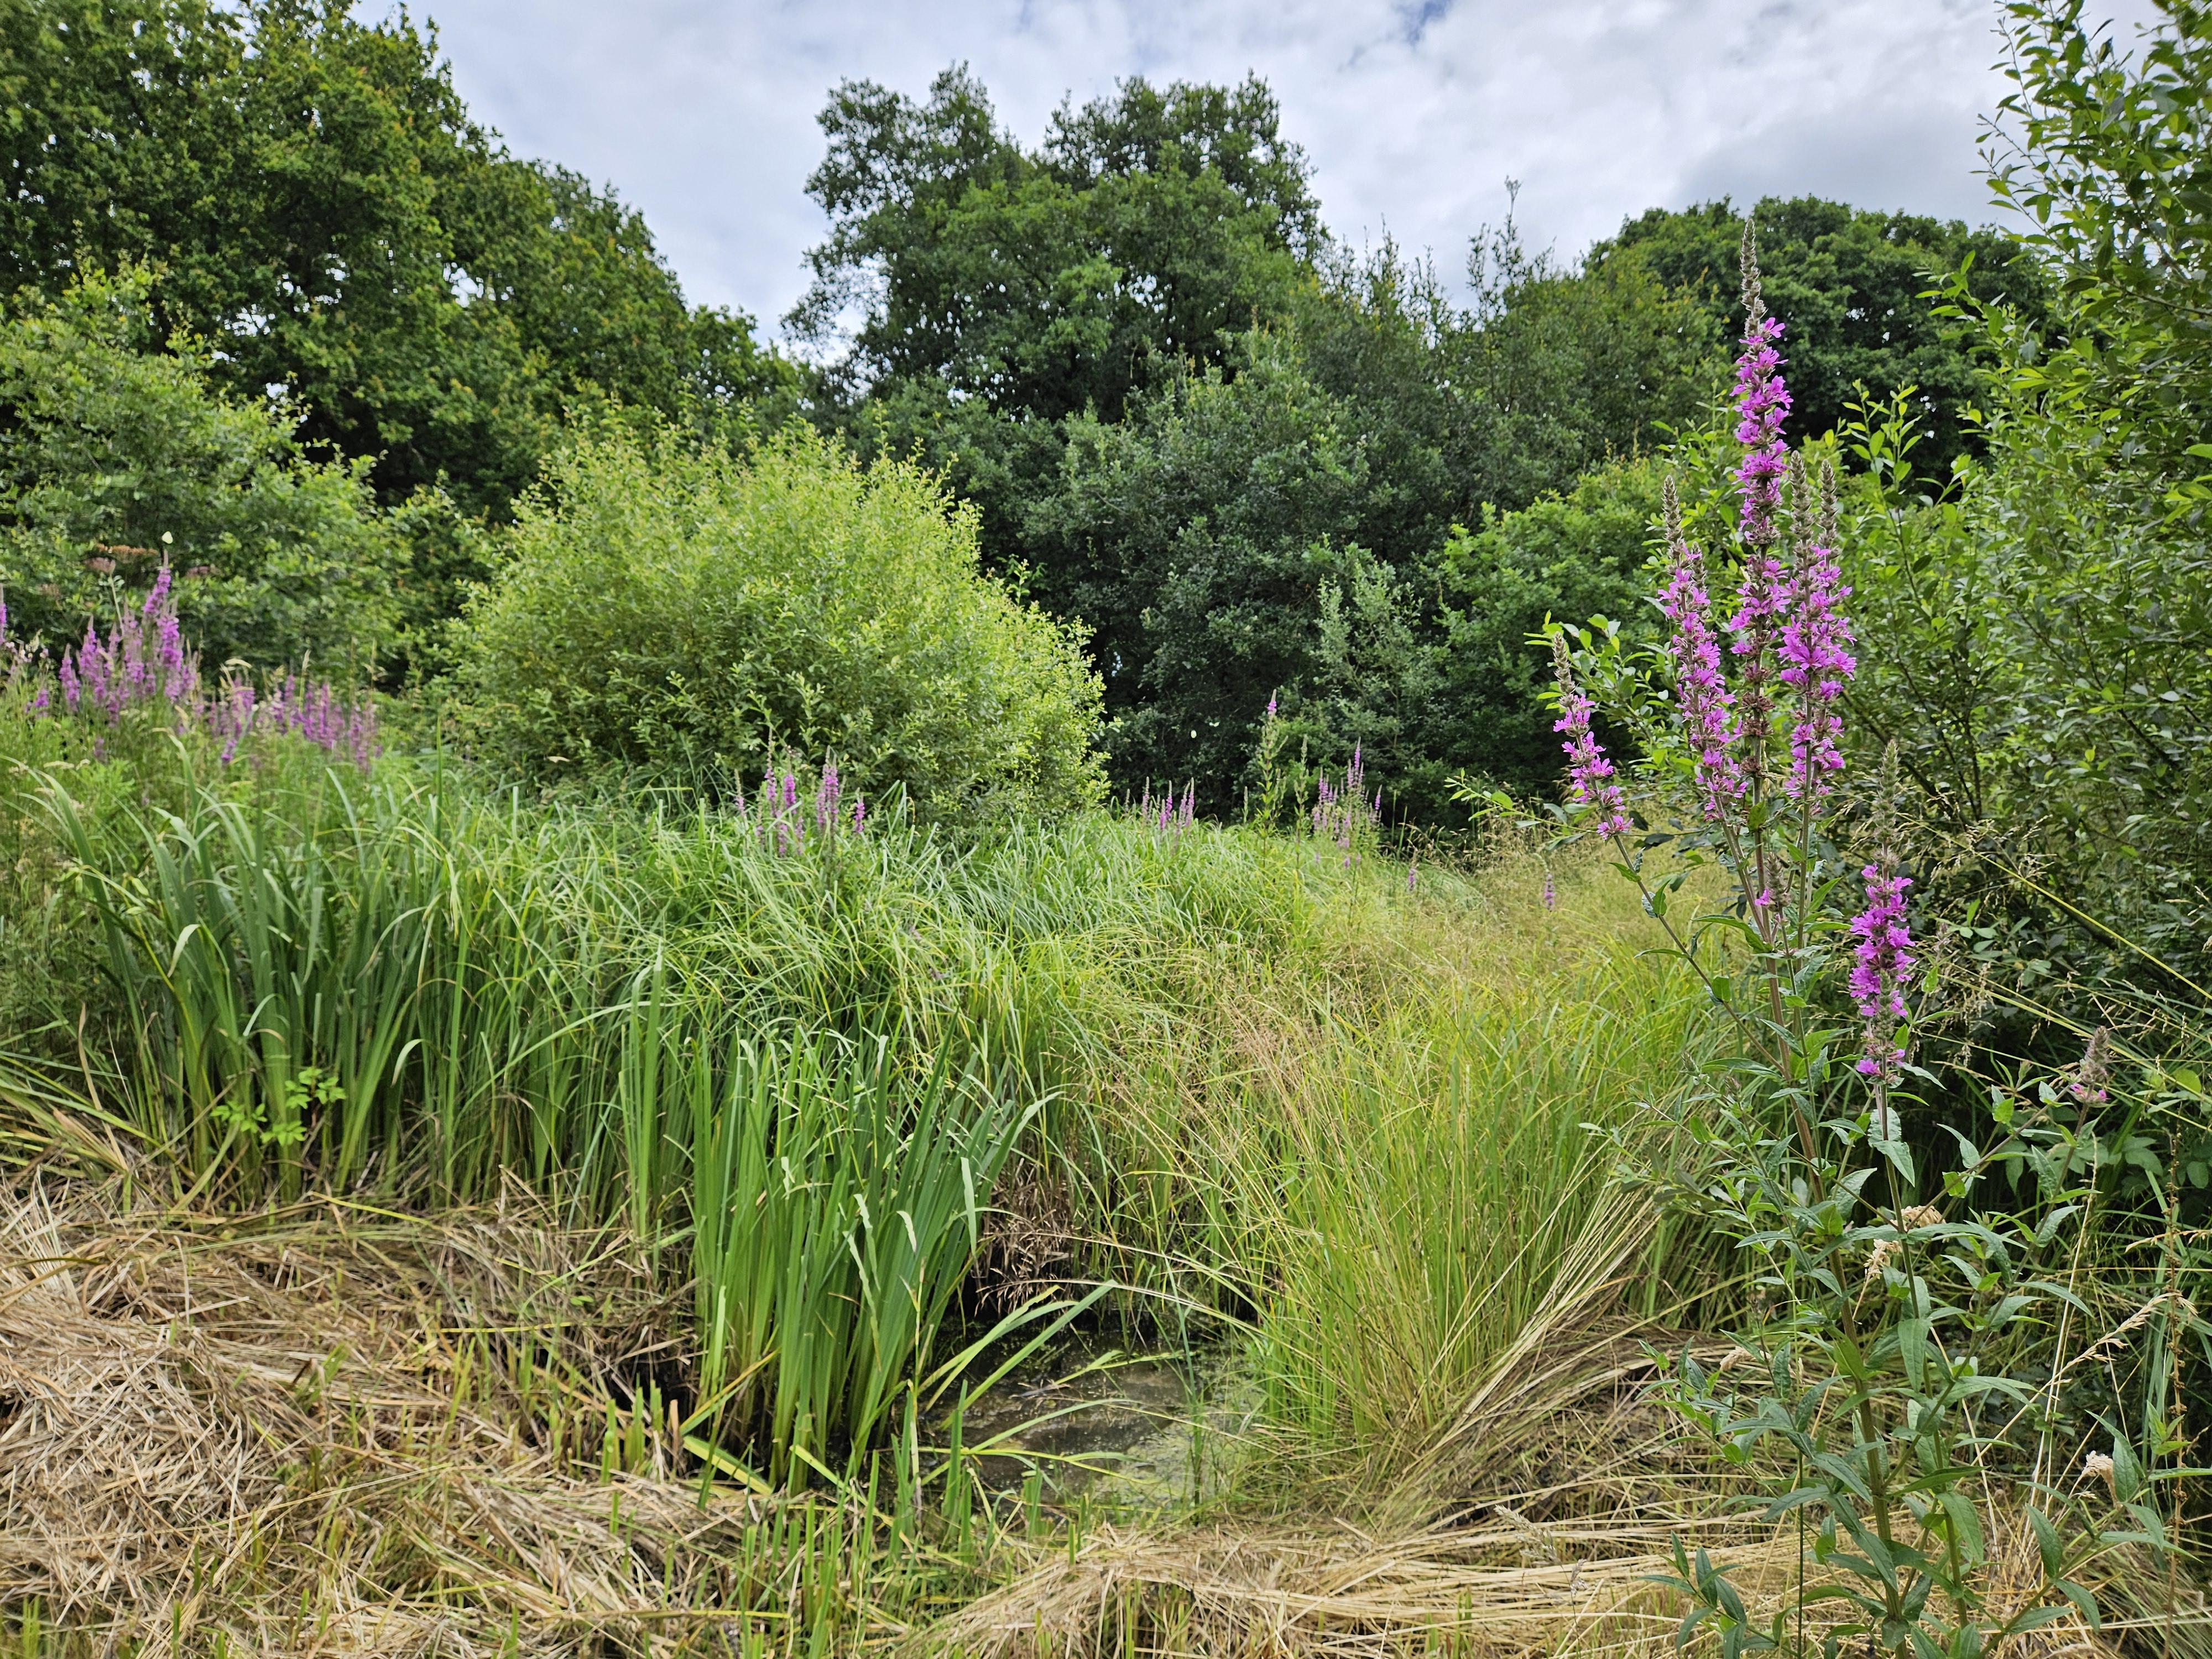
(674, 610)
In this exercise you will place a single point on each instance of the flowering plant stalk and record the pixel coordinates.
(780, 816)
(142, 666)
(1869, 1346)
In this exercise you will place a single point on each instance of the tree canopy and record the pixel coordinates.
(315, 204)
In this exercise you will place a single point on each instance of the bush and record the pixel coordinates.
(115, 458)
(687, 615)
(1570, 555)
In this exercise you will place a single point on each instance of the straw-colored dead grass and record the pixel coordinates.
(1502, 1585)
(311, 1432)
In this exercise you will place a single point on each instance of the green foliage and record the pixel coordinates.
(1558, 368)
(1003, 291)
(2038, 643)
(1581, 554)
(666, 607)
(1850, 286)
(114, 459)
(319, 207)
(836, 1207)
(1205, 539)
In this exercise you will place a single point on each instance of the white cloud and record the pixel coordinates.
(1414, 111)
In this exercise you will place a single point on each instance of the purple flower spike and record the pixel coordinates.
(859, 812)
(1882, 959)
(1708, 710)
(1762, 405)
(1814, 659)
(1590, 773)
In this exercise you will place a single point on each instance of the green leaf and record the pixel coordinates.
(1966, 1525)
(2046, 1543)
(2082, 1598)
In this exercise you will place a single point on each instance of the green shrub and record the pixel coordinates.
(115, 456)
(687, 614)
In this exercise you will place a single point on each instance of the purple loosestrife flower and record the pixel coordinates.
(1550, 893)
(1590, 773)
(72, 688)
(1762, 405)
(1815, 660)
(1701, 694)
(859, 812)
(1880, 960)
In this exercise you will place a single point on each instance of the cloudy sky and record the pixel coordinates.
(1414, 113)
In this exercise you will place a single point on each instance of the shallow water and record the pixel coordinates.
(1145, 1429)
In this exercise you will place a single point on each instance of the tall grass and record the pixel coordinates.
(1255, 1081)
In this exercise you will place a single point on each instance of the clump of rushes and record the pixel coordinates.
(1875, 1324)
(142, 662)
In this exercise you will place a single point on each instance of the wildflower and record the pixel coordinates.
(1412, 872)
(2089, 1086)
(859, 812)
(1762, 405)
(1707, 714)
(1921, 1215)
(1814, 632)
(1590, 773)
(1550, 893)
(1882, 957)
(2096, 1467)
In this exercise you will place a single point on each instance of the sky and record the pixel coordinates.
(1414, 112)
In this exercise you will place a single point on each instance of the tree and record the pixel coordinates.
(671, 609)
(992, 292)
(316, 204)
(115, 459)
(1848, 285)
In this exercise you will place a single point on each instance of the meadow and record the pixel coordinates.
(768, 1090)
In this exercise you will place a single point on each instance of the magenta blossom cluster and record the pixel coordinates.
(1166, 814)
(1815, 663)
(1881, 958)
(1790, 630)
(307, 709)
(1591, 783)
(143, 661)
(1708, 708)
(776, 816)
(1342, 813)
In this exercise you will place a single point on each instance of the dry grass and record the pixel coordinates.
(319, 1430)
(1499, 1585)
